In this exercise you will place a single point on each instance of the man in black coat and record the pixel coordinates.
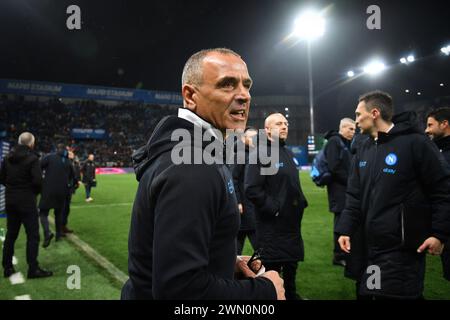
(338, 155)
(399, 192)
(58, 173)
(438, 128)
(21, 174)
(88, 172)
(74, 182)
(279, 203)
(246, 209)
(182, 241)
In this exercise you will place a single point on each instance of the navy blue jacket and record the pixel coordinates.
(182, 241)
(398, 191)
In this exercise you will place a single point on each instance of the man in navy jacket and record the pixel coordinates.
(185, 216)
(398, 191)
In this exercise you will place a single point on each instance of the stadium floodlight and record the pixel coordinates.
(446, 50)
(410, 58)
(441, 84)
(407, 91)
(419, 93)
(286, 109)
(350, 73)
(287, 116)
(403, 60)
(374, 67)
(310, 25)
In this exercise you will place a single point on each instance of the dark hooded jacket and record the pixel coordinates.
(248, 216)
(184, 225)
(279, 203)
(398, 191)
(58, 178)
(337, 153)
(21, 174)
(443, 145)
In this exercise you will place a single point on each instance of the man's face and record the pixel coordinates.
(91, 157)
(277, 127)
(365, 119)
(223, 98)
(348, 131)
(435, 129)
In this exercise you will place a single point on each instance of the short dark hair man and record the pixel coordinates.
(338, 155)
(398, 191)
(21, 174)
(279, 204)
(438, 129)
(185, 216)
(88, 172)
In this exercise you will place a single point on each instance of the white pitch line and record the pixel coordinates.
(24, 297)
(102, 205)
(115, 272)
(17, 278)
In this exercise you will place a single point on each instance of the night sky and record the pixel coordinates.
(144, 44)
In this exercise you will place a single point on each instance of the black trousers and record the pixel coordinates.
(445, 257)
(240, 240)
(43, 215)
(15, 217)
(338, 254)
(289, 272)
(66, 210)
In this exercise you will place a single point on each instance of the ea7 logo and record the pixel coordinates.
(374, 280)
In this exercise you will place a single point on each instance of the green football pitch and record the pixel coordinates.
(104, 223)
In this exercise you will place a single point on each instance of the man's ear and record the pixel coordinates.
(189, 97)
(445, 124)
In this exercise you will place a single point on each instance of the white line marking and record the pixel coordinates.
(115, 272)
(24, 297)
(15, 261)
(17, 278)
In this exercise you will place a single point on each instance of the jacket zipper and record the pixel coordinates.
(402, 213)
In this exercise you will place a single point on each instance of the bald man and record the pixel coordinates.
(279, 203)
(337, 153)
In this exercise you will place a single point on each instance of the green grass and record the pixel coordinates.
(104, 224)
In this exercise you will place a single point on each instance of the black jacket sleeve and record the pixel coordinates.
(351, 216)
(36, 176)
(237, 171)
(186, 215)
(256, 193)
(434, 175)
(333, 154)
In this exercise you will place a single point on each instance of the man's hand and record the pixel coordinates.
(241, 268)
(344, 242)
(434, 246)
(241, 208)
(277, 282)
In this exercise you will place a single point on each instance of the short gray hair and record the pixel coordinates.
(346, 121)
(26, 139)
(192, 71)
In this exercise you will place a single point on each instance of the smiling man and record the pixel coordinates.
(185, 217)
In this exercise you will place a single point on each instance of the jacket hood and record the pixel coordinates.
(330, 134)
(19, 154)
(404, 123)
(160, 142)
